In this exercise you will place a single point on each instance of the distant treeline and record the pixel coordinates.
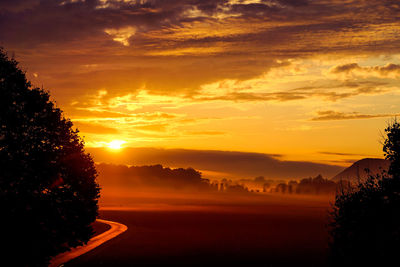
(164, 178)
(311, 186)
(157, 176)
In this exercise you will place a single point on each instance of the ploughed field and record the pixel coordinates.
(274, 232)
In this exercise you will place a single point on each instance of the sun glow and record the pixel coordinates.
(115, 144)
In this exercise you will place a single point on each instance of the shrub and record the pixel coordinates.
(365, 221)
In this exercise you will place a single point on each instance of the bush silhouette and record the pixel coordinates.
(365, 226)
(48, 189)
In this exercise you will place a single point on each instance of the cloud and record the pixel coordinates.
(206, 133)
(152, 127)
(236, 164)
(343, 161)
(345, 68)
(95, 128)
(249, 90)
(122, 35)
(183, 38)
(222, 18)
(158, 56)
(335, 115)
(18, 5)
(94, 113)
(390, 70)
(343, 154)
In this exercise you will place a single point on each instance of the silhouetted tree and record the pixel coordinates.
(153, 176)
(365, 227)
(48, 191)
(259, 180)
(391, 148)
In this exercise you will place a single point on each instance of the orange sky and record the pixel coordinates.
(308, 80)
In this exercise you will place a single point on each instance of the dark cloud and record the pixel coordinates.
(389, 68)
(341, 162)
(341, 154)
(345, 68)
(235, 164)
(162, 49)
(42, 21)
(296, 3)
(240, 96)
(331, 92)
(335, 115)
(383, 71)
(18, 5)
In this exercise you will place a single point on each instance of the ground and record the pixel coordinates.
(273, 233)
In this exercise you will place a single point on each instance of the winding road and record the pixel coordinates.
(115, 230)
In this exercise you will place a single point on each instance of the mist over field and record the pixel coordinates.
(218, 164)
(177, 217)
(196, 224)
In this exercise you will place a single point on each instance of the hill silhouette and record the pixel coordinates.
(357, 171)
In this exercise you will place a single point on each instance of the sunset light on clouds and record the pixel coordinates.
(115, 144)
(308, 80)
(200, 132)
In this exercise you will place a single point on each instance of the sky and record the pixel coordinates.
(301, 79)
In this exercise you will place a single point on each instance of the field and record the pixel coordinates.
(264, 231)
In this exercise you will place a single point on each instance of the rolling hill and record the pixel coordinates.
(358, 169)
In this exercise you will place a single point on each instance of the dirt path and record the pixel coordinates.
(115, 230)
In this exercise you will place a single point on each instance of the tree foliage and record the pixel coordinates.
(365, 226)
(391, 148)
(48, 189)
